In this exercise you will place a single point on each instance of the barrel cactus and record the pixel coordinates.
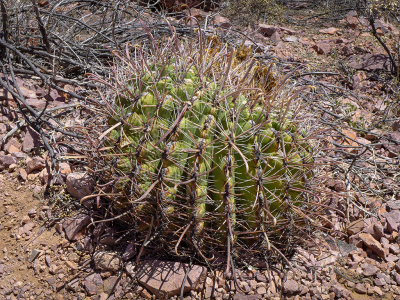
(205, 150)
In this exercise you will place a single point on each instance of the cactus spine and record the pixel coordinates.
(210, 145)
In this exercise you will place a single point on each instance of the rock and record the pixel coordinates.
(290, 38)
(331, 30)
(379, 281)
(222, 21)
(291, 287)
(372, 244)
(261, 277)
(79, 185)
(37, 163)
(322, 48)
(6, 161)
(391, 258)
(357, 81)
(378, 231)
(394, 248)
(268, 30)
(34, 254)
(12, 167)
(394, 214)
(392, 144)
(352, 22)
(396, 277)
(31, 140)
(28, 227)
(369, 62)
(90, 288)
(19, 155)
(360, 288)
(145, 294)
(369, 270)
(130, 252)
(164, 279)
(63, 168)
(22, 174)
(275, 37)
(94, 279)
(288, 31)
(261, 291)
(355, 227)
(44, 176)
(74, 285)
(73, 225)
(12, 146)
(378, 291)
(47, 259)
(107, 261)
(110, 284)
(103, 296)
(246, 297)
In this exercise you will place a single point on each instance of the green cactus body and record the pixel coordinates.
(219, 165)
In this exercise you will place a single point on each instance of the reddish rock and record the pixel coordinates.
(291, 287)
(391, 225)
(268, 30)
(79, 185)
(372, 244)
(63, 168)
(12, 146)
(31, 140)
(379, 281)
(74, 225)
(22, 174)
(261, 277)
(331, 30)
(360, 288)
(341, 41)
(394, 248)
(43, 3)
(355, 227)
(322, 48)
(352, 22)
(288, 31)
(222, 21)
(275, 37)
(392, 143)
(19, 155)
(369, 270)
(28, 227)
(164, 279)
(37, 163)
(369, 62)
(378, 231)
(394, 214)
(6, 161)
(391, 258)
(90, 288)
(44, 176)
(397, 277)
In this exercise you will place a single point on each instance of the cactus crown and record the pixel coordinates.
(207, 150)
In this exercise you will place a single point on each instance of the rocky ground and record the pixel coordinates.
(50, 252)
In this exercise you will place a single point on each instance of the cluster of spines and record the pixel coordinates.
(212, 167)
